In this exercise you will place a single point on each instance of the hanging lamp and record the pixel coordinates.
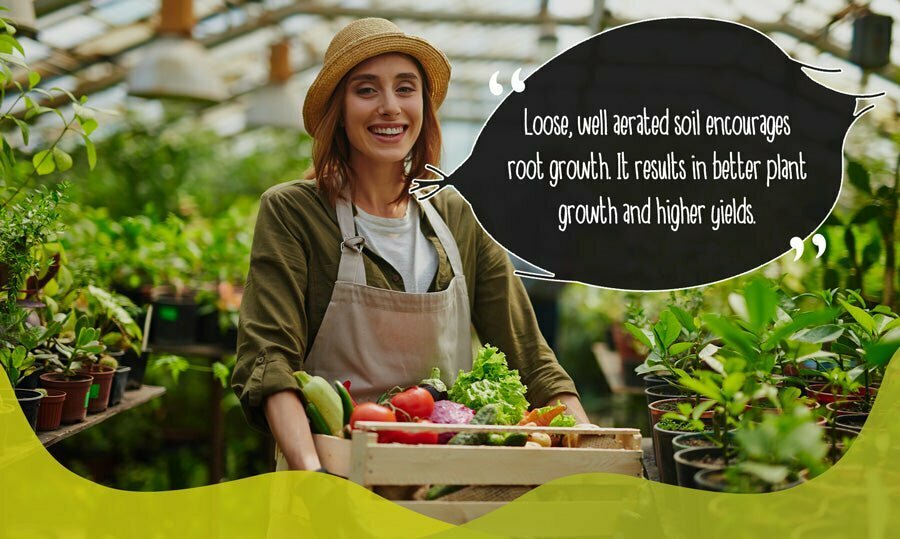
(275, 104)
(174, 65)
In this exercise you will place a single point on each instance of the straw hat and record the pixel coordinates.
(361, 40)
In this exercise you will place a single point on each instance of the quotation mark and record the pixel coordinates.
(515, 82)
(818, 240)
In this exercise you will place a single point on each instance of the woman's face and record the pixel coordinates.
(383, 107)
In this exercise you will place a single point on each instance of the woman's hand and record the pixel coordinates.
(290, 427)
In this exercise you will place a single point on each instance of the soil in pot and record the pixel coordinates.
(77, 388)
(852, 422)
(849, 407)
(693, 439)
(659, 408)
(30, 402)
(50, 413)
(690, 461)
(119, 381)
(98, 397)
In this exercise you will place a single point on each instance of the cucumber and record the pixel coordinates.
(316, 421)
(346, 400)
(487, 415)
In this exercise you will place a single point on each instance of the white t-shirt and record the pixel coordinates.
(400, 241)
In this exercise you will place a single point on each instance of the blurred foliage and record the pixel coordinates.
(180, 167)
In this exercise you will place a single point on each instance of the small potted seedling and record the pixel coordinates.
(75, 372)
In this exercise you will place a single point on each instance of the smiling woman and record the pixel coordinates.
(353, 279)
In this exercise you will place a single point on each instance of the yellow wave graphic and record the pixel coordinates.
(856, 498)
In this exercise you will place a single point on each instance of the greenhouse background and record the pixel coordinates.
(162, 191)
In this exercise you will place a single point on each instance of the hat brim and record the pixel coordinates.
(433, 61)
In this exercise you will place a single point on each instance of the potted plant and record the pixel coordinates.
(686, 419)
(73, 372)
(50, 412)
(17, 362)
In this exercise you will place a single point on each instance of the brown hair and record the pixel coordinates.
(331, 147)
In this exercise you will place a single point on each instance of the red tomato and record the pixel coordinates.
(411, 438)
(369, 411)
(415, 402)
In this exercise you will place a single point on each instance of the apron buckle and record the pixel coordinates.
(355, 242)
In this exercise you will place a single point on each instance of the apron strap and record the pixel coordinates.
(446, 237)
(351, 268)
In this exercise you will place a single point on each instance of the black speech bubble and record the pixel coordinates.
(721, 68)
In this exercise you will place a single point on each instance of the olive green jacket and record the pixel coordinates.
(293, 268)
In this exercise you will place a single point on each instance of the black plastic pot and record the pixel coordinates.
(174, 320)
(30, 401)
(138, 364)
(120, 380)
(688, 463)
(664, 391)
(651, 380)
(714, 480)
(852, 422)
(210, 332)
(32, 380)
(665, 453)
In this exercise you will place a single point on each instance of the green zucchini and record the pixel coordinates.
(346, 400)
(316, 421)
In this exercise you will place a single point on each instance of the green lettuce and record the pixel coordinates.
(491, 381)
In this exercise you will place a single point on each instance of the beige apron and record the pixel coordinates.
(379, 338)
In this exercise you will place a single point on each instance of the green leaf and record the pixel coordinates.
(800, 321)
(88, 126)
(33, 79)
(63, 160)
(858, 176)
(866, 214)
(671, 328)
(679, 347)
(730, 333)
(683, 317)
(43, 162)
(862, 317)
(91, 152)
(879, 354)
(761, 302)
(819, 334)
(23, 127)
(638, 334)
(8, 44)
(221, 373)
(871, 253)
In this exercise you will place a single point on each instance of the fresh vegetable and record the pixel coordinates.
(319, 392)
(563, 420)
(412, 438)
(540, 438)
(449, 412)
(487, 415)
(542, 417)
(436, 491)
(434, 385)
(491, 382)
(369, 411)
(317, 423)
(509, 439)
(347, 404)
(413, 403)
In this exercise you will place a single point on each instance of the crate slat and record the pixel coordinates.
(376, 426)
(396, 464)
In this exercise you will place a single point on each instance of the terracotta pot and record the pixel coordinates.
(50, 414)
(76, 388)
(824, 396)
(98, 398)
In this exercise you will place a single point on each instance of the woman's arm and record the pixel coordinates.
(290, 427)
(573, 406)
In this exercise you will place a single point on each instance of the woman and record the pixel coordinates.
(351, 277)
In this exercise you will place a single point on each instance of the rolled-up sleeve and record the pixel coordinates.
(503, 316)
(272, 332)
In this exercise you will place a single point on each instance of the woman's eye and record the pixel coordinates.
(366, 90)
(406, 89)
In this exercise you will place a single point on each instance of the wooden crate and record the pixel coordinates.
(370, 464)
